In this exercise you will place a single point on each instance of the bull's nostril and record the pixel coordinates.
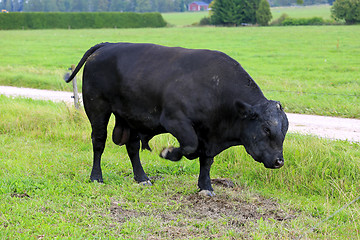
(279, 163)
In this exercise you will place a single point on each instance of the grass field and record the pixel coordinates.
(303, 11)
(312, 69)
(46, 161)
(181, 19)
(46, 152)
(190, 18)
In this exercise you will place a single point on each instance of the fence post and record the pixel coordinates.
(75, 90)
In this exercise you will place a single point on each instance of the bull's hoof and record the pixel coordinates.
(145, 183)
(171, 153)
(207, 193)
(164, 153)
(97, 180)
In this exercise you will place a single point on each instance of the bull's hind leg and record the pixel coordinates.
(133, 147)
(180, 127)
(99, 118)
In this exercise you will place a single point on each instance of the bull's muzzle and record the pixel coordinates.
(279, 162)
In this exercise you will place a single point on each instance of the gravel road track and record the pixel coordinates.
(324, 127)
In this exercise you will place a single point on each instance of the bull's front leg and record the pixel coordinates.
(181, 128)
(204, 181)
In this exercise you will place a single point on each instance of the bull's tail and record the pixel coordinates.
(88, 53)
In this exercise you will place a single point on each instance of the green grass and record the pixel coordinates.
(46, 152)
(189, 18)
(46, 161)
(310, 69)
(303, 11)
(183, 19)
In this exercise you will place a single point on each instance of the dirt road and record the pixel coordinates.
(324, 127)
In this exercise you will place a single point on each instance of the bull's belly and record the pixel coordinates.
(146, 124)
(143, 121)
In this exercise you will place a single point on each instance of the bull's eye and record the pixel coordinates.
(267, 131)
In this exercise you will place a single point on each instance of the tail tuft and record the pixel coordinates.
(67, 77)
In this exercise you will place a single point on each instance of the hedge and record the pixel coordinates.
(43, 20)
(303, 21)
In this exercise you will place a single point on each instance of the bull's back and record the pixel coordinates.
(139, 80)
(143, 72)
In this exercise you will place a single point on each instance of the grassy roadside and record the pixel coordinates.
(46, 160)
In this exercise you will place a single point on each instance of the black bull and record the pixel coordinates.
(204, 98)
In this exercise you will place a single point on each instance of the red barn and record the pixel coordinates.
(198, 6)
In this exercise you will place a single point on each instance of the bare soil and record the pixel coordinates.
(234, 207)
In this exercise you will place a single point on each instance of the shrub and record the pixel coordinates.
(205, 21)
(279, 21)
(348, 10)
(285, 20)
(42, 20)
(303, 21)
(234, 12)
(263, 13)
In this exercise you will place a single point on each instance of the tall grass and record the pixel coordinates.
(47, 155)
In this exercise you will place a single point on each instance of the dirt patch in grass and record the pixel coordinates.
(232, 209)
(19, 195)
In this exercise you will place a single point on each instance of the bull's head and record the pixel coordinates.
(263, 133)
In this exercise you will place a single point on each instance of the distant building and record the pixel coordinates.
(198, 6)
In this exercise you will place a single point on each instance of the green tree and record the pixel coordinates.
(8, 4)
(50, 6)
(348, 10)
(182, 5)
(119, 6)
(234, 12)
(34, 6)
(263, 13)
(143, 6)
(103, 6)
(63, 5)
(80, 6)
(96, 5)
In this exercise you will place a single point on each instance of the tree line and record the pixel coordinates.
(96, 5)
(118, 5)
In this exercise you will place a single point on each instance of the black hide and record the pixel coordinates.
(204, 98)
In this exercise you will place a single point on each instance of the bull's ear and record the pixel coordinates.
(279, 106)
(244, 110)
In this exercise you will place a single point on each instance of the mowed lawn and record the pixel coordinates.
(310, 69)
